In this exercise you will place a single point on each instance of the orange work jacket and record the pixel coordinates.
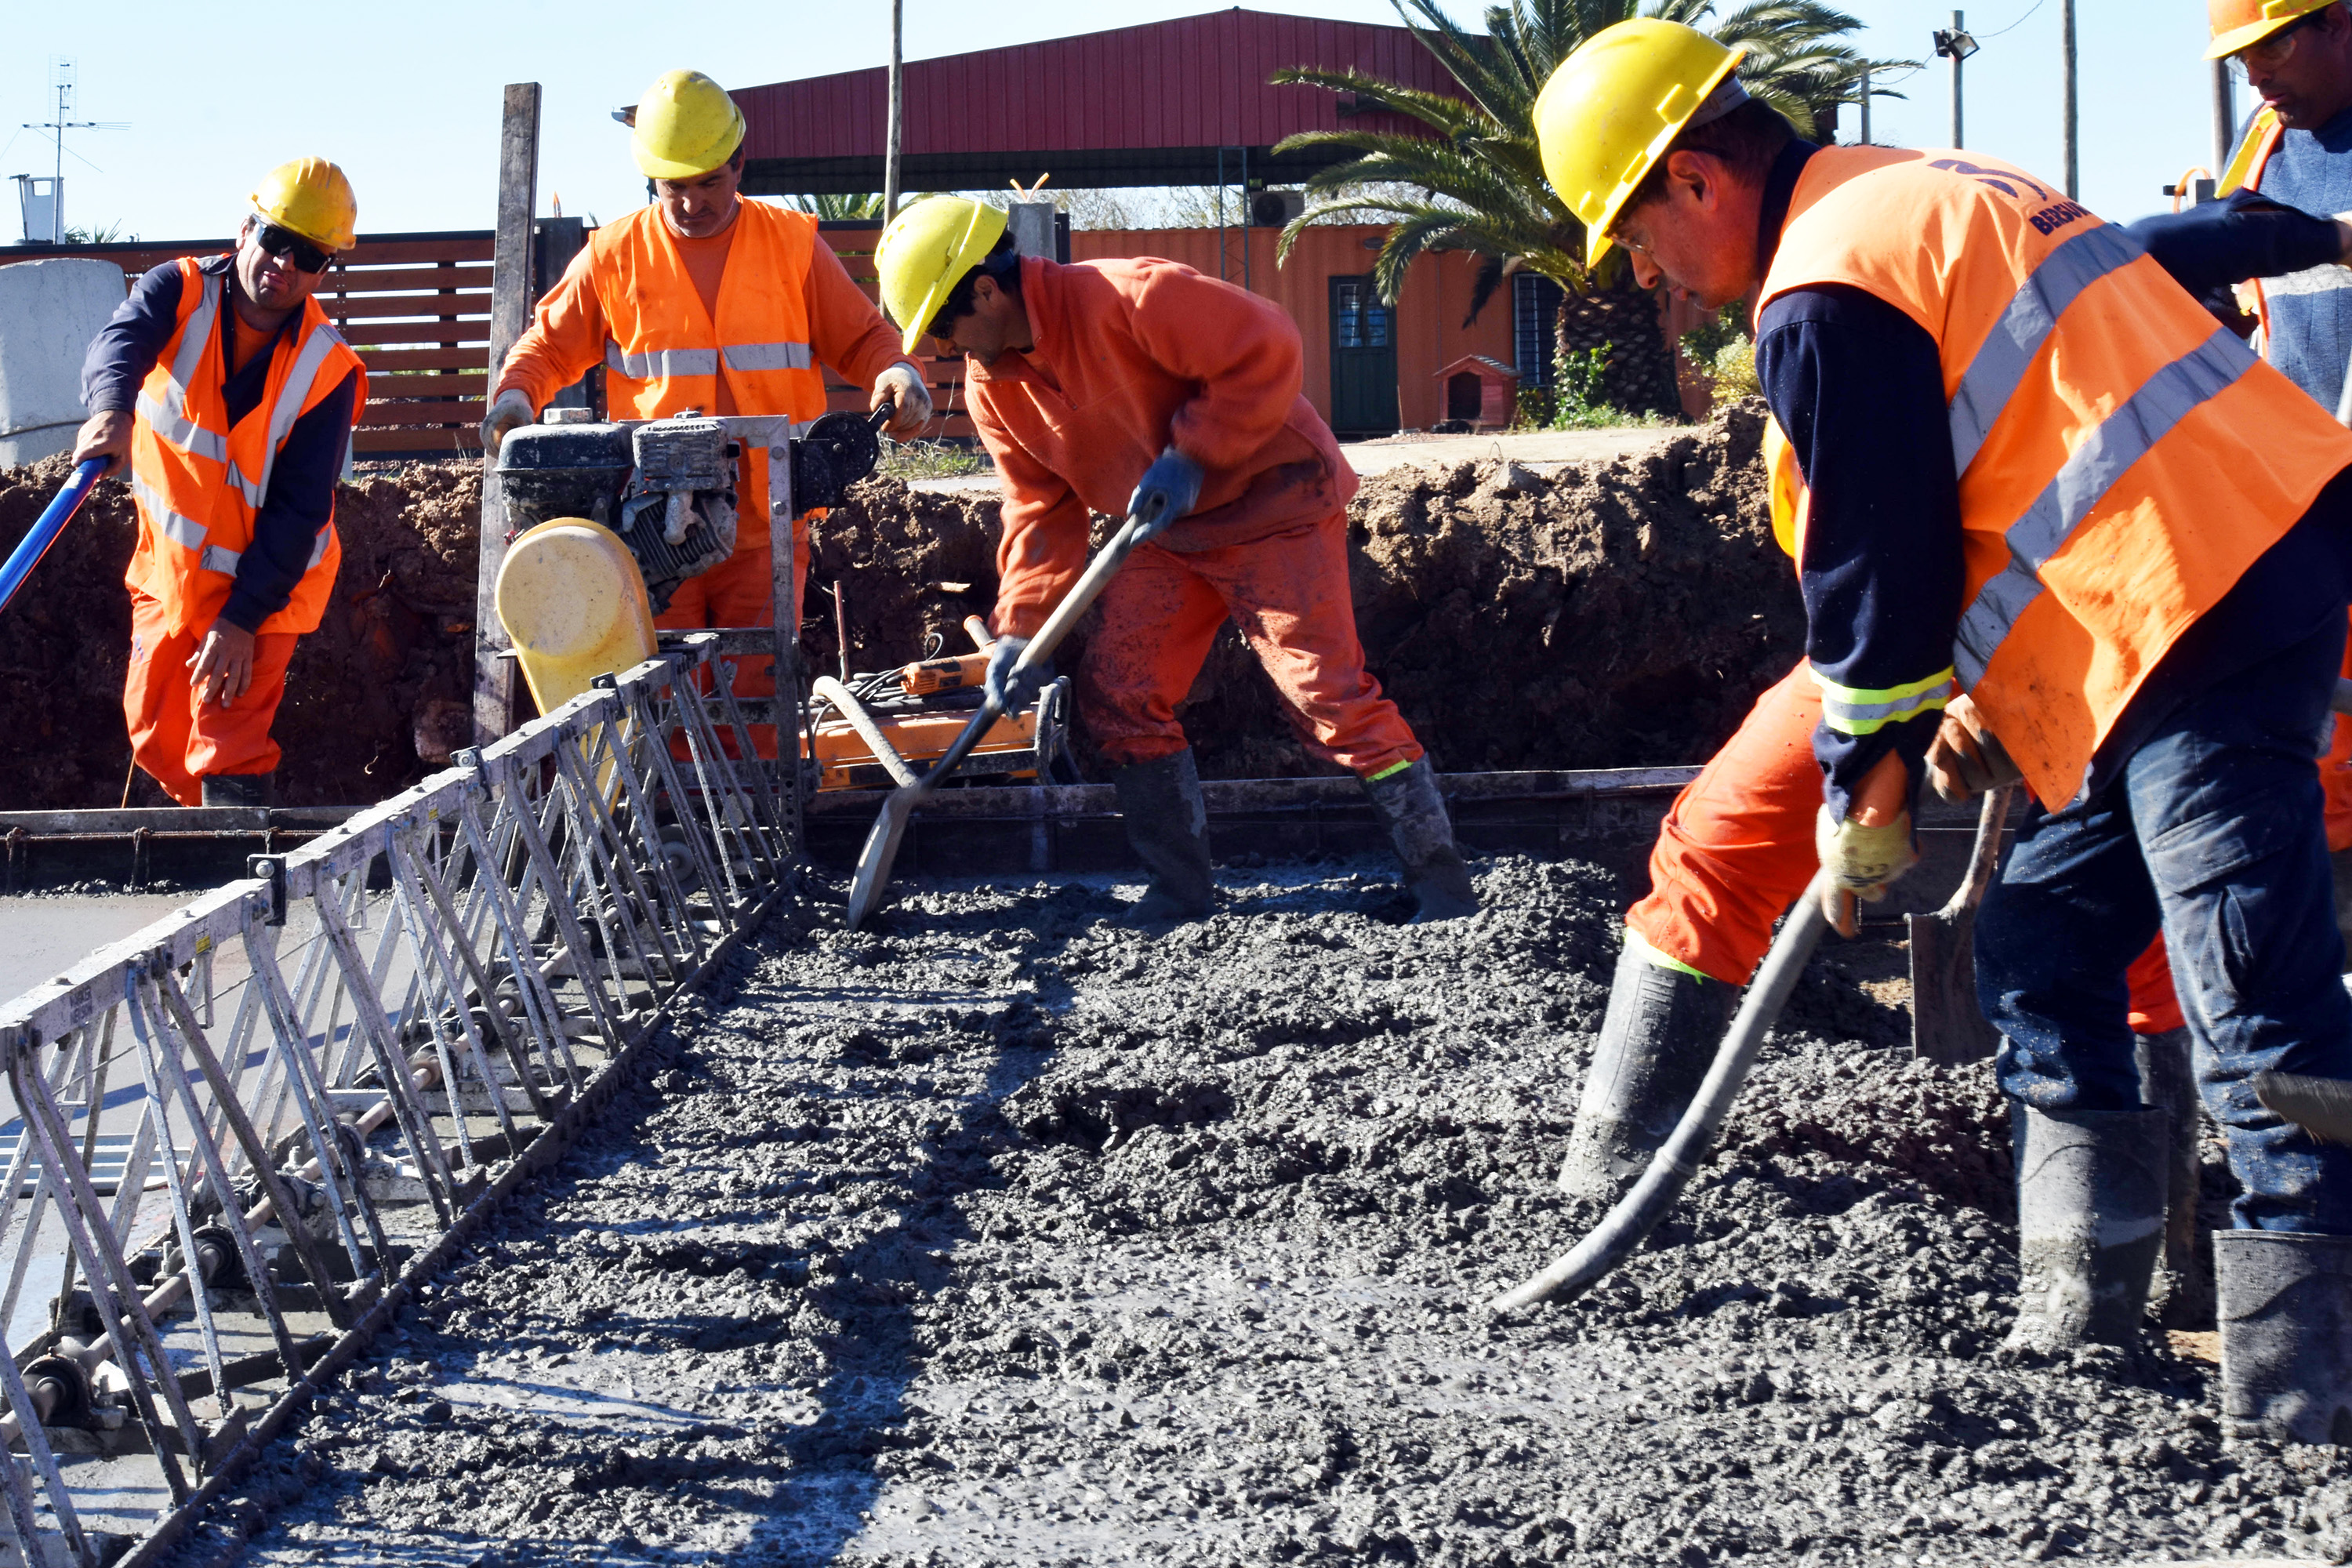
(2122, 458)
(665, 351)
(199, 483)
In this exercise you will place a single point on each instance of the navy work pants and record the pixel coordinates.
(2213, 831)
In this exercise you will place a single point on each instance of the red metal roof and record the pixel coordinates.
(1142, 105)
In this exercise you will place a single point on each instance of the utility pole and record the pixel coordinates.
(897, 110)
(2225, 117)
(1956, 45)
(2067, 101)
(1866, 106)
(61, 76)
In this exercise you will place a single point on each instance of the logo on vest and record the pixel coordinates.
(2050, 220)
(2005, 181)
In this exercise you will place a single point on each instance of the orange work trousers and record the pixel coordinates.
(175, 741)
(1736, 851)
(1288, 596)
(739, 592)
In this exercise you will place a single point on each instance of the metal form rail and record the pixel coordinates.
(327, 1073)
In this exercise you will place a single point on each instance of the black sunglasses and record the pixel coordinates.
(305, 255)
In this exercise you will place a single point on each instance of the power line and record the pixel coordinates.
(2016, 24)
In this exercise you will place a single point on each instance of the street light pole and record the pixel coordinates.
(2225, 117)
(1960, 30)
(896, 111)
(2067, 107)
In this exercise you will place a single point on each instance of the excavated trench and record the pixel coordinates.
(1003, 1235)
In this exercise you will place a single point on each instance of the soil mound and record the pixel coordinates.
(1613, 614)
(1616, 614)
(394, 651)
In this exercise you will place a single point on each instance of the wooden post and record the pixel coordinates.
(896, 111)
(511, 297)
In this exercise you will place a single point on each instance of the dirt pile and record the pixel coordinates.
(395, 646)
(1614, 614)
(1003, 1236)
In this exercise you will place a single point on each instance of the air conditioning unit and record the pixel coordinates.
(1273, 209)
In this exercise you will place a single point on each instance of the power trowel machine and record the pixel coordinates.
(607, 519)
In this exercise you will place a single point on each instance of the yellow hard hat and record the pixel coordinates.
(1612, 109)
(312, 197)
(925, 253)
(2241, 24)
(685, 126)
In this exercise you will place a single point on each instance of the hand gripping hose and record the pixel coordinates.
(53, 518)
(1671, 1168)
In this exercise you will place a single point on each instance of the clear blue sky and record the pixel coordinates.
(406, 97)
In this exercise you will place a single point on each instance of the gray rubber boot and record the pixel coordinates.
(1661, 1031)
(239, 789)
(2182, 1293)
(2090, 1222)
(1167, 823)
(1414, 813)
(2285, 1305)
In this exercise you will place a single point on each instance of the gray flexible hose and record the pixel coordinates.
(834, 692)
(1671, 1168)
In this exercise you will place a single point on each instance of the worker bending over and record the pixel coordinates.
(2020, 457)
(702, 300)
(1117, 385)
(222, 386)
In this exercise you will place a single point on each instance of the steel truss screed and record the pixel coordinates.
(245, 1135)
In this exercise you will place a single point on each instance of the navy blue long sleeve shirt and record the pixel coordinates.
(301, 495)
(1858, 388)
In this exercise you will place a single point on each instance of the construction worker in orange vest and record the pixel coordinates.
(702, 300)
(1114, 385)
(2024, 463)
(220, 382)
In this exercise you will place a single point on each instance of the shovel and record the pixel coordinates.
(44, 533)
(873, 876)
(1947, 1023)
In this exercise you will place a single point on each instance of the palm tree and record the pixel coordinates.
(833, 208)
(1481, 177)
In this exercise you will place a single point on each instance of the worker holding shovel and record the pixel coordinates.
(2024, 462)
(221, 384)
(1140, 386)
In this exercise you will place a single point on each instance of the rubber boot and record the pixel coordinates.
(1414, 813)
(2339, 866)
(2090, 1222)
(2182, 1293)
(1168, 824)
(2284, 1306)
(239, 789)
(1657, 1039)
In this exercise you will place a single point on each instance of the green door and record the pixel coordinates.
(1364, 360)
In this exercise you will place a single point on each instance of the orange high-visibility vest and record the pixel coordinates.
(665, 351)
(198, 483)
(2122, 457)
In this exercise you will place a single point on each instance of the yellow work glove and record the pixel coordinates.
(1862, 862)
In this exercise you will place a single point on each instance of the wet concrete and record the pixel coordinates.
(1003, 1235)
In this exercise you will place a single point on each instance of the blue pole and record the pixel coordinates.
(36, 545)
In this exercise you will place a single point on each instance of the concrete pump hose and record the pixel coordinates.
(1639, 1211)
(834, 692)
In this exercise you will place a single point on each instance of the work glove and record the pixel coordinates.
(1172, 478)
(1967, 759)
(1013, 695)
(512, 411)
(904, 383)
(1862, 863)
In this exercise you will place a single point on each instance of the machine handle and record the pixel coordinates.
(44, 532)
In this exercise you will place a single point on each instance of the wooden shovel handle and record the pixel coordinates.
(1986, 854)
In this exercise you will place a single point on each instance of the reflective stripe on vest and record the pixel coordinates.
(2000, 366)
(316, 348)
(660, 364)
(2122, 439)
(168, 414)
(748, 357)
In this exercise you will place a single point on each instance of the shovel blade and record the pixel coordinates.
(873, 878)
(2321, 1106)
(1947, 1025)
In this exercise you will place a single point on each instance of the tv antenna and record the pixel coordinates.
(63, 80)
